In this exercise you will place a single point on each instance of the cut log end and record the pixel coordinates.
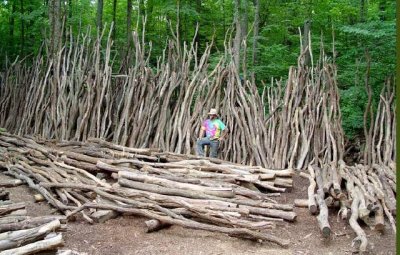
(155, 225)
(313, 209)
(326, 232)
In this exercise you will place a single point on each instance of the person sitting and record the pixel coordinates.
(215, 132)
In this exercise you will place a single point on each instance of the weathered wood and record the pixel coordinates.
(379, 220)
(192, 224)
(220, 192)
(102, 216)
(323, 209)
(12, 239)
(323, 215)
(312, 205)
(301, 203)
(46, 244)
(155, 225)
(30, 223)
(7, 209)
(361, 239)
(10, 183)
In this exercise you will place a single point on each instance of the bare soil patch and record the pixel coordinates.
(126, 234)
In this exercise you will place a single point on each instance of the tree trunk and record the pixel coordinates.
(244, 20)
(12, 23)
(223, 16)
(128, 24)
(197, 22)
(55, 26)
(99, 15)
(256, 29)
(70, 9)
(114, 20)
(22, 27)
(238, 39)
(306, 38)
(142, 14)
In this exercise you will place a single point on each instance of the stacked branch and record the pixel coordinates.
(99, 180)
(21, 234)
(361, 197)
(363, 192)
(161, 105)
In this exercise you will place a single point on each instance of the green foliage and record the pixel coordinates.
(278, 40)
(352, 104)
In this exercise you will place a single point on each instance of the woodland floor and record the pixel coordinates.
(126, 234)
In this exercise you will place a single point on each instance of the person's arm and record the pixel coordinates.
(201, 134)
(224, 130)
(224, 134)
(202, 131)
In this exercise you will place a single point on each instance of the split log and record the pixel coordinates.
(46, 244)
(12, 239)
(30, 223)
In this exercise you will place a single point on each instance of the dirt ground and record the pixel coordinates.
(126, 234)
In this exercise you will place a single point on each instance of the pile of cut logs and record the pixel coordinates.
(99, 180)
(369, 193)
(21, 234)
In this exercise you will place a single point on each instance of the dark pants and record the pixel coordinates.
(213, 146)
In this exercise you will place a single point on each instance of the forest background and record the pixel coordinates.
(363, 32)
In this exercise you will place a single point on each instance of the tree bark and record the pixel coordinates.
(245, 19)
(32, 248)
(99, 22)
(22, 27)
(256, 30)
(238, 34)
(114, 19)
(306, 45)
(12, 21)
(55, 26)
(128, 21)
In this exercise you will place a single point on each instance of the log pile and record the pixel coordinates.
(363, 192)
(75, 96)
(359, 194)
(99, 180)
(21, 234)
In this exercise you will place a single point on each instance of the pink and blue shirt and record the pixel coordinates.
(213, 128)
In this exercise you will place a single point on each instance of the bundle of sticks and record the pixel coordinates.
(360, 193)
(98, 180)
(75, 96)
(22, 234)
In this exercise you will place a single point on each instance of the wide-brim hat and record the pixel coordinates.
(213, 111)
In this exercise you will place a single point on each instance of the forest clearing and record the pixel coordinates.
(102, 131)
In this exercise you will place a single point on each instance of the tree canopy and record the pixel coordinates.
(363, 33)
